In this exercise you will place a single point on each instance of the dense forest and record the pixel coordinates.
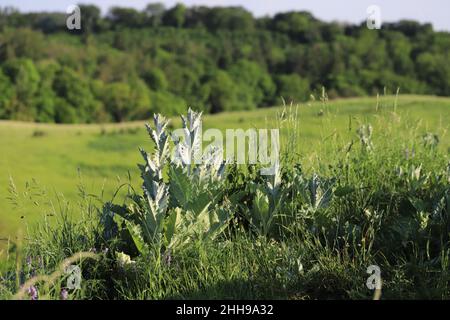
(128, 64)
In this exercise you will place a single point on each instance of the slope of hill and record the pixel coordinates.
(46, 161)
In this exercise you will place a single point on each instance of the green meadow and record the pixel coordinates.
(45, 165)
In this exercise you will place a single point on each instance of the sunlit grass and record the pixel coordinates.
(59, 157)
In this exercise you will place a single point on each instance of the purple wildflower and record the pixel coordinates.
(168, 258)
(64, 295)
(33, 292)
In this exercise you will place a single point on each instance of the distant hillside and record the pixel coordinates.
(129, 64)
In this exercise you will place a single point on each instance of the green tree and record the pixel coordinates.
(155, 79)
(167, 103)
(222, 93)
(46, 100)
(254, 82)
(176, 16)
(21, 43)
(400, 50)
(125, 17)
(116, 99)
(26, 78)
(292, 88)
(140, 100)
(65, 112)
(435, 71)
(154, 13)
(301, 26)
(231, 18)
(75, 90)
(90, 18)
(6, 96)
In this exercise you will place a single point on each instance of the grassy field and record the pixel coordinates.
(54, 159)
(346, 196)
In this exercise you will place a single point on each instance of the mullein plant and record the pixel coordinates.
(267, 203)
(431, 208)
(365, 136)
(287, 193)
(285, 196)
(182, 197)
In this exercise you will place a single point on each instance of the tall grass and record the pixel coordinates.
(369, 197)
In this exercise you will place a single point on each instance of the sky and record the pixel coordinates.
(436, 12)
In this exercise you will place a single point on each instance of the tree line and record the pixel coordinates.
(130, 63)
